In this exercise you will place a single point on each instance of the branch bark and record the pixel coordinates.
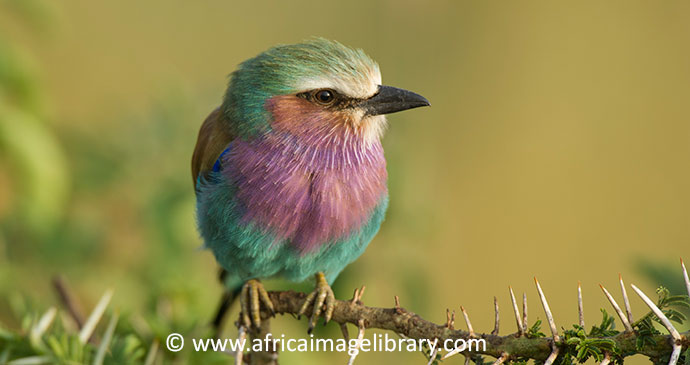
(409, 324)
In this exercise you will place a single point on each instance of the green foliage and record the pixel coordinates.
(581, 348)
(534, 331)
(126, 348)
(478, 360)
(58, 345)
(606, 328)
(50, 339)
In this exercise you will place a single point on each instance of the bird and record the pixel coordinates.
(289, 171)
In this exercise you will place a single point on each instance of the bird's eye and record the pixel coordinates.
(324, 96)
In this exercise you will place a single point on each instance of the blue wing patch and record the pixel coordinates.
(217, 164)
(207, 177)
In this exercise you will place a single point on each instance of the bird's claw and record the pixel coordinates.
(252, 296)
(322, 294)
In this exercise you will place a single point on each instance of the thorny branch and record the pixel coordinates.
(519, 346)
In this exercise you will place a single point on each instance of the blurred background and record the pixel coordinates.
(557, 146)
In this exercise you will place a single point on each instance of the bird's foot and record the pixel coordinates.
(252, 296)
(322, 294)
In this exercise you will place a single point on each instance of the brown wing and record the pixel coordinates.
(214, 137)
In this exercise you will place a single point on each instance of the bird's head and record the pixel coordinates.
(314, 87)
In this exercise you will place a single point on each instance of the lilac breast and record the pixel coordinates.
(308, 190)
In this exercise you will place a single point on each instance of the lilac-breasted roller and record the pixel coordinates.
(289, 171)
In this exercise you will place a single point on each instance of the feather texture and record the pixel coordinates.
(300, 188)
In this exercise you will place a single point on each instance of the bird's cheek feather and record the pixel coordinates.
(296, 115)
(299, 117)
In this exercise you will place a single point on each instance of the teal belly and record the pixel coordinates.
(247, 251)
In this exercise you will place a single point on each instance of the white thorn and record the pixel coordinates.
(42, 325)
(607, 359)
(360, 337)
(105, 342)
(547, 310)
(626, 302)
(626, 324)
(241, 337)
(685, 276)
(452, 353)
(525, 325)
(677, 347)
(31, 360)
(501, 359)
(95, 316)
(432, 356)
(467, 321)
(580, 308)
(672, 330)
(552, 357)
(450, 319)
(521, 330)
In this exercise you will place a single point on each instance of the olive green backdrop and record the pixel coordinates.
(557, 146)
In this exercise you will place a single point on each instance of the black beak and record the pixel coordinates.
(390, 99)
